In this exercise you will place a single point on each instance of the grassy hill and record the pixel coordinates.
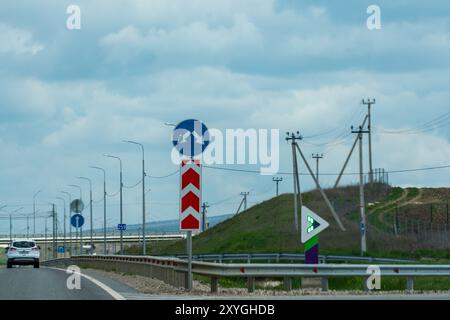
(269, 227)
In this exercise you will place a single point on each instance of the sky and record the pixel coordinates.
(69, 96)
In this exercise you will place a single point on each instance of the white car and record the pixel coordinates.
(23, 252)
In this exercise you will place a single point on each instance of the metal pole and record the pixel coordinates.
(144, 241)
(70, 216)
(121, 203)
(54, 231)
(28, 228)
(361, 197)
(277, 181)
(45, 237)
(317, 157)
(10, 228)
(369, 104)
(104, 207)
(189, 252)
(348, 157)
(34, 212)
(104, 216)
(324, 196)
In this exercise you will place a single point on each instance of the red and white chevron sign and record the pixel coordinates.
(190, 195)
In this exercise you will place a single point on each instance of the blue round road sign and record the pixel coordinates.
(77, 220)
(190, 137)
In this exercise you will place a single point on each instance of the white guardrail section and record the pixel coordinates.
(287, 257)
(171, 270)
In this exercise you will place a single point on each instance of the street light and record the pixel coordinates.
(121, 203)
(70, 216)
(34, 212)
(104, 206)
(144, 250)
(64, 224)
(10, 223)
(90, 204)
(79, 188)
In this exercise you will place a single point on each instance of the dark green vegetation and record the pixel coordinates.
(2, 257)
(269, 227)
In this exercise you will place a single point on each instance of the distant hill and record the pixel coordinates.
(166, 226)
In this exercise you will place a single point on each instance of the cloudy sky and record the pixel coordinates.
(69, 96)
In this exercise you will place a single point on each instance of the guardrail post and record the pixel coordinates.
(251, 284)
(287, 281)
(214, 284)
(410, 283)
(324, 283)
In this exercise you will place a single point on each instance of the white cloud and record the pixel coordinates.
(17, 41)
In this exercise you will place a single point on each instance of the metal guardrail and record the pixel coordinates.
(99, 239)
(284, 257)
(163, 268)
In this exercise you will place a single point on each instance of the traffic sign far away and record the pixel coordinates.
(190, 216)
(311, 224)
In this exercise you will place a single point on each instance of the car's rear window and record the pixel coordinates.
(23, 244)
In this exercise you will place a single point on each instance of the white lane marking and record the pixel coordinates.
(110, 291)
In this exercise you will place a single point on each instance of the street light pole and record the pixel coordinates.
(79, 229)
(144, 244)
(90, 207)
(104, 206)
(70, 218)
(64, 224)
(10, 223)
(34, 212)
(121, 203)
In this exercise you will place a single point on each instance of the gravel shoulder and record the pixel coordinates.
(155, 287)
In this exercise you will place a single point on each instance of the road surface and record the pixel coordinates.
(27, 283)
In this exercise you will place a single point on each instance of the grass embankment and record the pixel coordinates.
(269, 227)
(2, 257)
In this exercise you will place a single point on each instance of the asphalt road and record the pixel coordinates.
(27, 283)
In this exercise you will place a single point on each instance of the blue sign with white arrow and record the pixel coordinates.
(190, 137)
(77, 220)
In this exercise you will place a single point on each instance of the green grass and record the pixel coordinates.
(2, 257)
(269, 227)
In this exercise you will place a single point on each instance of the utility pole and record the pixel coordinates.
(54, 230)
(245, 194)
(104, 207)
(144, 242)
(28, 227)
(348, 157)
(293, 137)
(362, 204)
(317, 157)
(64, 225)
(70, 216)
(205, 205)
(277, 180)
(34, 212)
(369, 104)
(121, 197)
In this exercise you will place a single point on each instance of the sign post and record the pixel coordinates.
(190, 138)
(77, 220)
(312, 225)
